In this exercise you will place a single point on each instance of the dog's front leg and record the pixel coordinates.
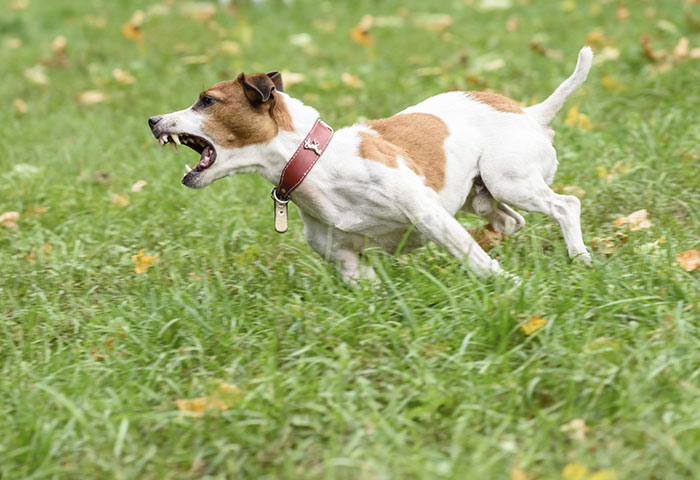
(338, 248)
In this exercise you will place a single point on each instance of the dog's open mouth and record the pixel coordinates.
(200, 145)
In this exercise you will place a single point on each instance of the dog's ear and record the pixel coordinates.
(276, 78)
(258, 88)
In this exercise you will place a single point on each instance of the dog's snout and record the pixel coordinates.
(154, 120)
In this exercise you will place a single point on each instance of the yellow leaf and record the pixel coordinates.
(576, 428)
(222, 399)
(438, 23)
(12, 43)
(292, 78)
(575, 118)
(513, 23)
(609, 83)
(533, 324)
(230, 48)
(604, 245)
(122, 76)
(59, 44)
(19, 4)
(136, 187)
(9, 220)
(486, 236)
(622, 12)
(131, 29)
(193, 405)
(689, 260)
(199, 11)
(351, 80)
(575, 471)
(574, 190)
(518, 473)
(120, 200)
(37, 75)
(91, 97)
(143, 262)
(360, 32)
(635, 221)
(595, 38)
(20, 106)
(34, 209)
(681, 50)
(605, 474)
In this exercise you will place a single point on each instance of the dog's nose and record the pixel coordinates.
(153, 120)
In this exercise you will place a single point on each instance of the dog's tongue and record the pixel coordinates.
(205, 161)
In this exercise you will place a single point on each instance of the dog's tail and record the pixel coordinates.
(544, 112)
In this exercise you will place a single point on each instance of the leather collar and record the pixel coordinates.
(303, 160)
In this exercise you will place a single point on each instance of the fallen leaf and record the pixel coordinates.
(230, 48)
(576, 428)
(360, 32)
(199, 11)
(20, 106)
(131, 29)
(486, 236)
(604, 245)
(607, 53)
(575, 118)
(650, 247)
(143, 262)
(31, 257)
(122, 76)
(59, 44)
(605, 474)
(518, 473)
(351, 80)
(546, 51)
(136, 187)
(222, 399)
(533, 324)
(694, 54)
(12, 43)
(574, 190)
(46, 249)
(9, 220)
(681, 50)
(575, 471)
(611, 84)
(648, 51)
(622, 12)
(689, 260)
(33, 209)
(19, 4)
(292, 78)
(635, 221)
(595, 38)
(513, 23)
(91, 97)
(120, 200)
(37, 75)
(437, 23)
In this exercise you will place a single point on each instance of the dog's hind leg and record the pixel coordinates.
(532, 194)
(503, 218)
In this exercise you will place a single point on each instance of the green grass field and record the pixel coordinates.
(429, 375)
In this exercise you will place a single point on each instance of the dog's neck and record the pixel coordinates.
(273, 156)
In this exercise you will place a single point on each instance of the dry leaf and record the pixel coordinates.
(33, 209)
(122, 76)
(607, 53)
(650, 247)
(438, 23)
(635, 221)
(9, 220)
(610, 84)
(518, 473)
(46, 249)
(19, 4)
(12, 43)
(37, 75)
(230, 48)
(623, 13)
(222, 399)
(575, 118)
(681, 50)
(576, 428)
(292, 78)
(575, 471)
(59, 44)
(533, 324)
(648, 51)
(20, 106)
(143, 262)
(595, 38)
(574, 190)
(604, 245)
(360, 32)
(136, 187)
(131, 29)
(351, 80)
(31, 257)
(486, 236)
(120, 200)
(199, 10)
(689, 260)
(547, 52)
(513, 23)
(91, 97)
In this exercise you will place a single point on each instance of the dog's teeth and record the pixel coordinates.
(176, 138)
(174, 146)
(188, 168)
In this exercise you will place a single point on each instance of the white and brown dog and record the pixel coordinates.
(392, 182)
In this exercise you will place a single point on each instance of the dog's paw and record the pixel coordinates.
(584, 258)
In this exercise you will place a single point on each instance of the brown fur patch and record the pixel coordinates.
(233, 122)
(417, 137)
(497, 102)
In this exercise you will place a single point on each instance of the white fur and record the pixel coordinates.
(348, 202)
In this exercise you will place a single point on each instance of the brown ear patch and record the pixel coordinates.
(497, 102)
(417, 137)
(233, 122)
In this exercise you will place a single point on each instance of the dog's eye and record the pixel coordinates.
(205, 101)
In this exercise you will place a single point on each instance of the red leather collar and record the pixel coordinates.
(303, 160)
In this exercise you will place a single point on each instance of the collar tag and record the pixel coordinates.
(281, 218)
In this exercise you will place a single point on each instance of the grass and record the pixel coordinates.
(428, 376)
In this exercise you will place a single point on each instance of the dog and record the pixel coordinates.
(396, 182)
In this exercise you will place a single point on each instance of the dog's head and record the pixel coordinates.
(226, 119)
